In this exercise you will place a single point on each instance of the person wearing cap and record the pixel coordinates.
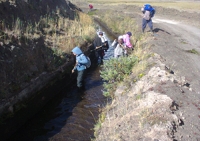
(104, 41)
(120, 48)
(100, 42)
(126, 38)
(127, 42)
(79, 67)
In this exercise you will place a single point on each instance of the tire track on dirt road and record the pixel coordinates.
(180, 39)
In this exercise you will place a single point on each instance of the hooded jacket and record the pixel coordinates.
(80, 59)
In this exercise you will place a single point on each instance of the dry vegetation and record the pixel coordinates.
(48, 37)
(182, 5)
(137, 112)
(141, 52)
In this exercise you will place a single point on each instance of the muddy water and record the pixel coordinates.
(71, 115)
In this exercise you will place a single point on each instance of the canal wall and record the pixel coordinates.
(24, 105)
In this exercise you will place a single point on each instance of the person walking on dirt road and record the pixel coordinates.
(148, 12)
(79, 66)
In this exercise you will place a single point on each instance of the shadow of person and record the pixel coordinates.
(156, 30)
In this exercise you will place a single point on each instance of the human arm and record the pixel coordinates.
(75, 66)
(114, 43)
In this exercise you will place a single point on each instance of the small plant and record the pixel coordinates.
(92, 12)
(138, 96)
(101, 119)
(140, 75)
(193, 51)
(183, 42)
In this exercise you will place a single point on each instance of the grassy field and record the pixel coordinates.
(187, 5)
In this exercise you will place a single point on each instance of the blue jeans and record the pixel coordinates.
(144, 24)
(80, 78)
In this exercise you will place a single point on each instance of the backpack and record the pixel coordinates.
(148, 7)
(88, 64)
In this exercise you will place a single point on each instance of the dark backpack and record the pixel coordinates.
(152, 12)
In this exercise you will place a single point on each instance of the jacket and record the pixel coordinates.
(119, 50)
(80, 59)
(126, 39)
(147, 15)
(97, 41)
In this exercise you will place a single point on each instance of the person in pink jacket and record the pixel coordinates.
(127, 42)
(126, 38)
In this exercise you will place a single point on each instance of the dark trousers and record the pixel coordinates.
(80, 78)
(144, 24)
(99, 55)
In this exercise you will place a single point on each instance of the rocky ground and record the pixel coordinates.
(168, 107)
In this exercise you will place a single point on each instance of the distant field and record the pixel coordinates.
(189, 5)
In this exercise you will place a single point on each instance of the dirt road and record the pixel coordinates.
(172, 40)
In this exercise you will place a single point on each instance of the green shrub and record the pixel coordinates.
(114, 71)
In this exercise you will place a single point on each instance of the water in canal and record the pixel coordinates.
(68, 117)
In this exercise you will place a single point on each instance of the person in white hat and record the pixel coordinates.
(120, 47)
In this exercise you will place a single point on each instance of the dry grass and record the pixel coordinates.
(121, 25)
(148, 117)
(45, 45)
(61, 34)
(121, 109)
(66, 34)
(142, 54)
(187, 5)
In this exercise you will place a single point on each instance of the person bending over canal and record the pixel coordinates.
(79, 66)
(120, 47)
(100, 43)
(127, 42)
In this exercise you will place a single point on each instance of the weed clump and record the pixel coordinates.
(193, 51)
(115, 70)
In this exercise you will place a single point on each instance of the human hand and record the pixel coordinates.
(73, 71)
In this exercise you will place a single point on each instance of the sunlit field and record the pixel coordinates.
(187, 5)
